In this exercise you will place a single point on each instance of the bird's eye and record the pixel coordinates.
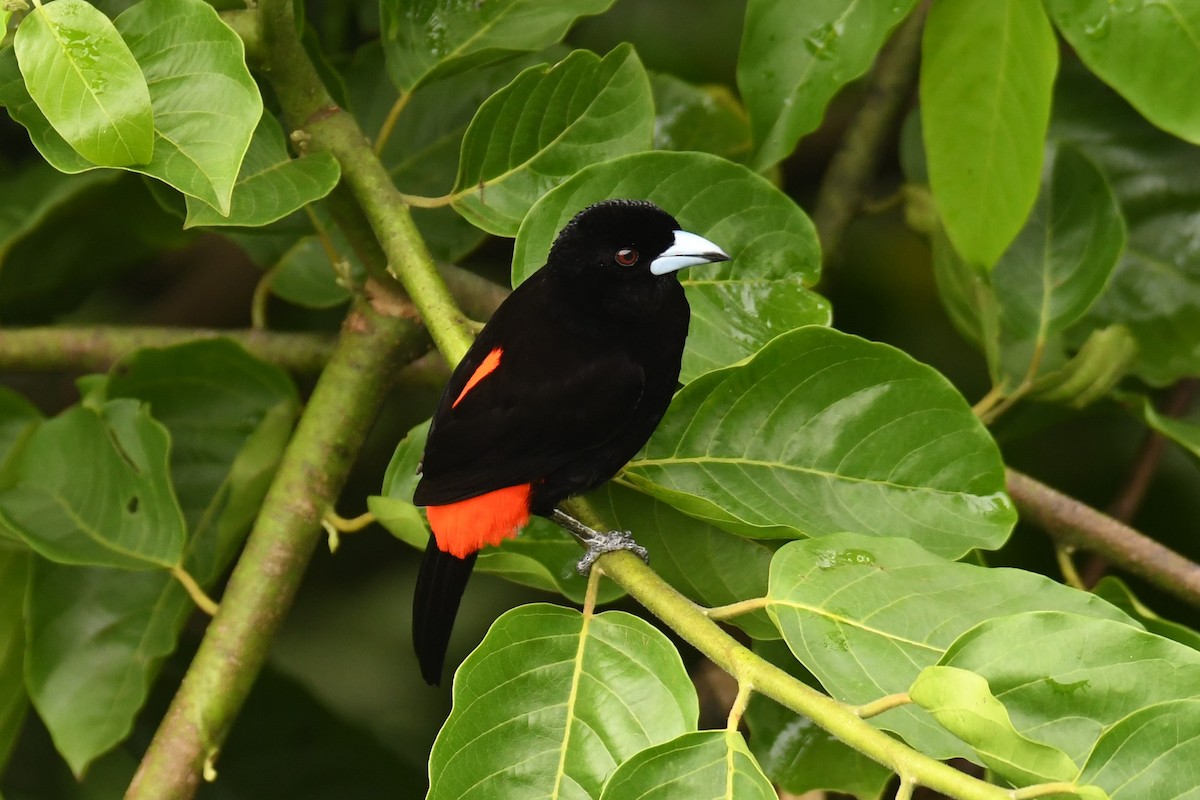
(627, 257)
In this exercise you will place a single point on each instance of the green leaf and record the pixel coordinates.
(795, 57)
(550, 702)
(1155, 289)
(31, 195)
(866, 615)
(799, 756)
(1116, 592)
(986, 77)
(1150, 53)
(963, 704)
(823, 432)
(428, 38)
(542, 556)
(697, 765)
(91, 487)
(1065, 678)
(1151, 753)
(206, 105)
(98, 636)
(85, 80)
(1049, 276)
(704, 563)
(14, 575)
(545, 126)
(1184, 431)
(304, 276)
(707, 119)
(271, 184)
(737, 306)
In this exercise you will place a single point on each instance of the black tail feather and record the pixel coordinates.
(440, 586)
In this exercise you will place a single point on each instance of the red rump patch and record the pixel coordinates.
(485, 368)
(462, 528)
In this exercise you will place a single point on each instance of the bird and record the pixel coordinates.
(561, 387)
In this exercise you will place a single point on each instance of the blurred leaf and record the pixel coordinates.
(1149, 52)
(542, 556)
(866, 615)
(798, 755)
(963, 704)
(305, 276)
(1155, 289)
(986, 77)
(706, 564)
(1116, 592)
(91, 487)
(796, 56)
(98, 636)
(1065, 678)
(708, 119)
(206, 103)
(1101, 363)
(564, 697)
(14, 575)
(697, 765)
(545, 126)
(428, 38)
(1184, 431)
(271, 184)
(84, 79)
(1151, 753)
(32, 194)
(737, 306)
(18, 420)
(823, 432)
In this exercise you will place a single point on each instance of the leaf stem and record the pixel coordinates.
(738, 709)
(737, 609)
(194, 590)
(904, 791)
(1044, 789)
(988, 401)
(385, 130)
(420, 201)
(1066, 565)
(877, 707)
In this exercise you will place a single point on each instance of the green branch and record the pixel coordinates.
(98, 348)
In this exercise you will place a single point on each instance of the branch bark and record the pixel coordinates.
(1078, 525)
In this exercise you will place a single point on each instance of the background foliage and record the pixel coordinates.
(965, 240)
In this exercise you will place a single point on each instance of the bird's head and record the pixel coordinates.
(628, 242)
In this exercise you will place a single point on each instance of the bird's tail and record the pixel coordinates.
(440, 586)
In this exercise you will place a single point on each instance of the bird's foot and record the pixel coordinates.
(609, 542)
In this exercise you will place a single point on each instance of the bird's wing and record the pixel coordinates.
(522, 419)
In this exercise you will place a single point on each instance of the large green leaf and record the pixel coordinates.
(1115, 591)
(542, 556)
(986, 76)
(98, 636)
(427, 38)
(1151, 753)
(866, 615)
(708, 119)
(14, 574)
(545, 126)
(1155, 289)
(271, 184)
(1046, 280)
(206, 105)
(29, 196)
(86, 82)
(823, 432)
(550, 702)
(701, 765)
(91, 487)
(963, 704)
(1149, 52)
(737, 306)
(1065, 679)
(18, 420)
(795, 57)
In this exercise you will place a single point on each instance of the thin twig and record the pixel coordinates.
(1079, 525)
(194, 590)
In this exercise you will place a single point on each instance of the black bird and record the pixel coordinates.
(561, 388)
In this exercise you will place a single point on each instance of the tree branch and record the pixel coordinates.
(98, 348)
(1078, 525)
(854, 164)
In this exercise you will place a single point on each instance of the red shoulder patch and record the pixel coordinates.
(462, 528)
(485, 368)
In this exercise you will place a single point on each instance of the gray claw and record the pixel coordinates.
(609, 542)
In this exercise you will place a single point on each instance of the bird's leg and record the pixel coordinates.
(597, 543)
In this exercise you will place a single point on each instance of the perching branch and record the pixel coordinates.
(1078, 525)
